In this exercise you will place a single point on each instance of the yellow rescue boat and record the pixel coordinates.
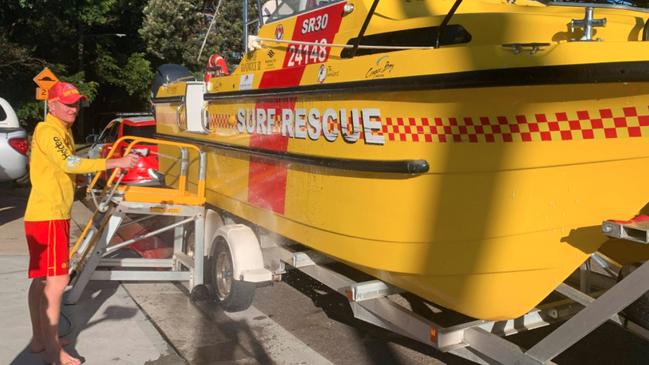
(467, 154)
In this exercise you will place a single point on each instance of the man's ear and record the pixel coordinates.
(50, 104)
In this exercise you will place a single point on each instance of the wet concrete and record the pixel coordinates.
(293, 319)
(323, 319)
(284, 326)
(203, 334)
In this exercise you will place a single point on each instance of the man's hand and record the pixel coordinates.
(125, 162)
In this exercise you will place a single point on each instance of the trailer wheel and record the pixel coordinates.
(233, 295)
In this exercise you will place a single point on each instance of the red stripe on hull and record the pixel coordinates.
(267, 179)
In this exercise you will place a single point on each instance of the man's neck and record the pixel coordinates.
(60, 122)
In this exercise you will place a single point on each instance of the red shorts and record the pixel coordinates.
(48, 247)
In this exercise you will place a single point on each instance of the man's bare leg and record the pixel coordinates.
(34, 299)
(50, 314)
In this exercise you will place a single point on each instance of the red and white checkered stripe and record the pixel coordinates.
(220, 121)
(604, 123)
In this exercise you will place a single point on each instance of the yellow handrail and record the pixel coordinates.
(182, 184)
(135, 140)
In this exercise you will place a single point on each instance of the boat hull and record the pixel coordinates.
(514, 184)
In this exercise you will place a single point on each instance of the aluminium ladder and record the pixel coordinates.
(89, 257)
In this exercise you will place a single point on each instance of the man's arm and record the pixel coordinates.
(59, 154)
(125, 162)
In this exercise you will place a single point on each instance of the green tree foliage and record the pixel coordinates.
(170, 30)
(108, 48)
(174, 31)
(226, 34)
(73, 37)
(134, 75)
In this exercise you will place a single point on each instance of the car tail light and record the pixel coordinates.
(20, 145)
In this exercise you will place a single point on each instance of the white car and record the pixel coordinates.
(13, 144)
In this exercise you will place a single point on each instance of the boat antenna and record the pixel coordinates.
(447, 19)
(364, 27)
(260, 15)
(216, 11)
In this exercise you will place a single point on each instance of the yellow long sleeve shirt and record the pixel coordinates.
(52, 169)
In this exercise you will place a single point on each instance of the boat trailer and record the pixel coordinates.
(256, 257)
(483, 341)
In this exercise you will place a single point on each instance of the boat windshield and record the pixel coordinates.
(278, 9)
(641, 4)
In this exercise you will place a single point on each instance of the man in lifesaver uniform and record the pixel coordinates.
(216, 66)
(53, 165)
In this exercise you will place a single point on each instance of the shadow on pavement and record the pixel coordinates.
(81, 318)
(375, 339)
(25, 357)
(12, 202)
(242, 344)
(238, 332)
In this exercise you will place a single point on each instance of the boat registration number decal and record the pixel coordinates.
(313, 31)
(304, 54)
(315, 23)
(319, 26)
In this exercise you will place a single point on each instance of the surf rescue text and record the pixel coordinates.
(314, 123)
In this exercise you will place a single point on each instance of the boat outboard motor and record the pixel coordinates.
(168, 73)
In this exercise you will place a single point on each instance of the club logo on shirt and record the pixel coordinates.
(60, 148)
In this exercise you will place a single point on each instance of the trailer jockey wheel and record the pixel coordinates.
(233, 295)
(199, 293)
(637, 311)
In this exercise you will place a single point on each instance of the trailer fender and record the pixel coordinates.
(213, 221)
(247, 259)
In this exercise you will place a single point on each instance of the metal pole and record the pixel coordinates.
(369, 16)
(79, 124)
(260, 15)
(208, 31)
(447, 18)
(116, 247)
(245, 26)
